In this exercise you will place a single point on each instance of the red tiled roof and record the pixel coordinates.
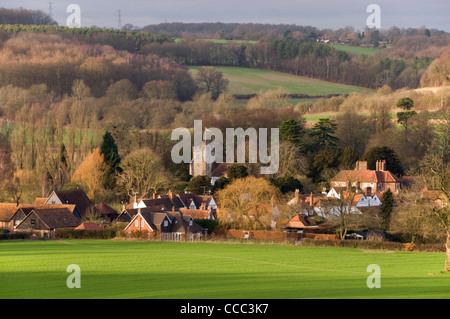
(40, 200)
(89, 226)
(196, 213)
(366, 176)
(105, 209)
(301, 221)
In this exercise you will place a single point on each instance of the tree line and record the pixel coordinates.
(25, 16)
(31, 58)
(299, 57)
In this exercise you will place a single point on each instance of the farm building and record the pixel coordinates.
(12, 214)
(45, 221)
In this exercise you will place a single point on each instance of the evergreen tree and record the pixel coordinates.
(111, 158)
(292, 131)
(237, 171)
(385, 213)
(323, 134)
(376, 153)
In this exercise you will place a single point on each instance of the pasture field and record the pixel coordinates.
(209, 270)
(356, 50)
(254, 81)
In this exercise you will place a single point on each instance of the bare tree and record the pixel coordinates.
(212, 80)
(143, 173)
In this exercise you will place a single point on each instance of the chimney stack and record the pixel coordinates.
(380, 165)
(297, 196)
(311, 202)
(361, 165)
(135, 204)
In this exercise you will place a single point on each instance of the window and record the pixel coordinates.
(191, 222)
(33, 221)
(379, 187)
(136, 223)
(142, 223)
(166, 223)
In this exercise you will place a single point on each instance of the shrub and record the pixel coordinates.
(85, 234)
(9, 236)
(210, 224)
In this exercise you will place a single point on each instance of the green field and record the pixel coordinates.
(164, 270)
(254, 81)
(355, 50)
(223, 41)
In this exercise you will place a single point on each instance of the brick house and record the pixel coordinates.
(369, 181)
(301, 222)
(165, 225)
(12, 214)
(75, 197)
(46, 221)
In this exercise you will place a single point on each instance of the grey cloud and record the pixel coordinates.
(319, 13)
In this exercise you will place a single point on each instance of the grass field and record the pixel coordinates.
(355, 50)
(223, 41)
(253, 81)
(164, 270)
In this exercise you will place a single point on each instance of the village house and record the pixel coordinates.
(434, 198)
(45, 222)
(369, 181)
(300, 222)
(177, 201)
(7, 212)
(165, 225)
(200, 213)
(321, 205)
(75, 197)
(106, 213)
(12, 214)
(358, 199)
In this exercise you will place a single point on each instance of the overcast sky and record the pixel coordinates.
(318, 13)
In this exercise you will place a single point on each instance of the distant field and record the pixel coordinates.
(162, 270)
(355, 50)
(318, 116)
(223, 41)
(254, 81)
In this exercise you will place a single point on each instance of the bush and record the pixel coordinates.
(9, 236)
(85, 234)
(210, 224)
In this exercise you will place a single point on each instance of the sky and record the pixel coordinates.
(333, 14)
